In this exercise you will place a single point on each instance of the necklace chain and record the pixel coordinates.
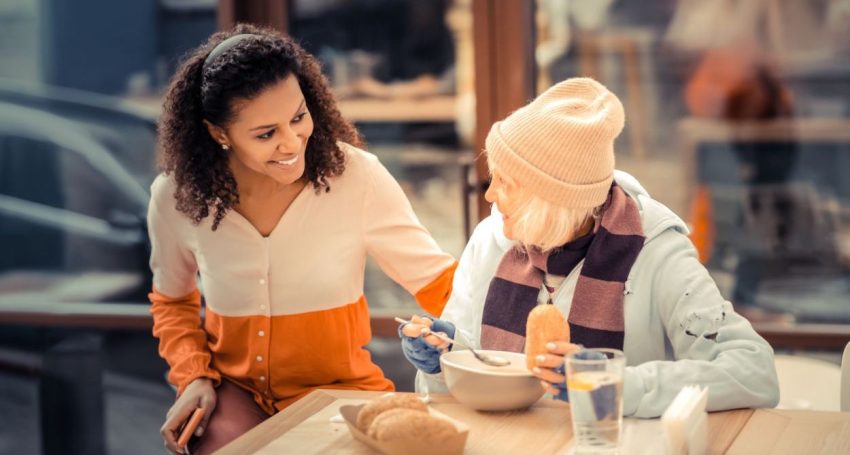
(551, 297)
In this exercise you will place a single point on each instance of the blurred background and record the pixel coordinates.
(738, 118)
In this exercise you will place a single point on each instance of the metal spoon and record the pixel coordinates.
(489, 359)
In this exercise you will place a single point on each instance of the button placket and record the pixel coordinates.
(265, 307)
(265, 295)
(265, 368)
(263, 280)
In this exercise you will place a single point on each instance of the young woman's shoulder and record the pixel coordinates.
(355, 156)
(360, 165)
(162, 194)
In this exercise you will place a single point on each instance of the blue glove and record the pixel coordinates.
(561, 387)
(423, 356)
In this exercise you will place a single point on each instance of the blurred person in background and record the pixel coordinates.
(739, 84)
(267, 196)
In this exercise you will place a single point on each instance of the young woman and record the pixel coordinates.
(569, 230)
(266, 196)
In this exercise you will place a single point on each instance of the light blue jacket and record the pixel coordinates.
(679, 330)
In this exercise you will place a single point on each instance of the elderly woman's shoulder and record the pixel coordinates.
(489, 234)
(655, 216)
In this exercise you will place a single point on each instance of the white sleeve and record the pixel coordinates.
(713, 346)
(472, 278)
(463, 310)
(400, 244)
(172, 262)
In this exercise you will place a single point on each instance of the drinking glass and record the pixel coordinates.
(595, 388)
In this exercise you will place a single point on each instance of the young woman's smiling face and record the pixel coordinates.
(269, 133)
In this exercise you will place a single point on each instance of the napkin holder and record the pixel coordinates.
(685, 422)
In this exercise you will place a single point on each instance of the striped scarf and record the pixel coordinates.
(596, 315)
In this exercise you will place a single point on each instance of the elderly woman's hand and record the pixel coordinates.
(420, 347)
(550, 368)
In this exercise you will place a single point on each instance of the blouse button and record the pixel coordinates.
(261, 333)
(259, 358)
(262, 307)
(262, 379)
(262, 281)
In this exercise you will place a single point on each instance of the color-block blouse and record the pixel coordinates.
(286, 314)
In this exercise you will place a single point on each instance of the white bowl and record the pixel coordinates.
(488, 388)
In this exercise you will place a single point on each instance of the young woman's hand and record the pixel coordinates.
(550, 368)
(420, 347)
(200, 393)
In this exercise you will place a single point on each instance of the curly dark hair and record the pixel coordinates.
(208, 92)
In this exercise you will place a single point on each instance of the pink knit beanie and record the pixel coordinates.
(561, 145)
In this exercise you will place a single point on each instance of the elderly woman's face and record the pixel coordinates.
(503, 193)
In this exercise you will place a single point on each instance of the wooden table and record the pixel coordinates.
(305, 428)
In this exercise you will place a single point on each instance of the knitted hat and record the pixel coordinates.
(561, 145)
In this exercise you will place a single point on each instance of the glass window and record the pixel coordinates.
(74, 187)
(402, 71)
(737, 119)
(43, 173)
(68, 232)
(137, 43)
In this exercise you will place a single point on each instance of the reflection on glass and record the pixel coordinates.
(394, 61)
(737, 119)
(71, 216)
(402, 70)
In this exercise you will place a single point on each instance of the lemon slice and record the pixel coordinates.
(579, 385)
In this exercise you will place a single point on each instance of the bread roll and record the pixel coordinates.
(545, 323)
(411, 425)
(385, 403)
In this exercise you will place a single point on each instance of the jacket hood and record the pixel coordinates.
(655, 216)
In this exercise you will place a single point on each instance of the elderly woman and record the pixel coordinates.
(567, 229)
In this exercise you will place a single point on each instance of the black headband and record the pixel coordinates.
(224, 46)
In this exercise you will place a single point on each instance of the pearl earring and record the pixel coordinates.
(225, 147)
